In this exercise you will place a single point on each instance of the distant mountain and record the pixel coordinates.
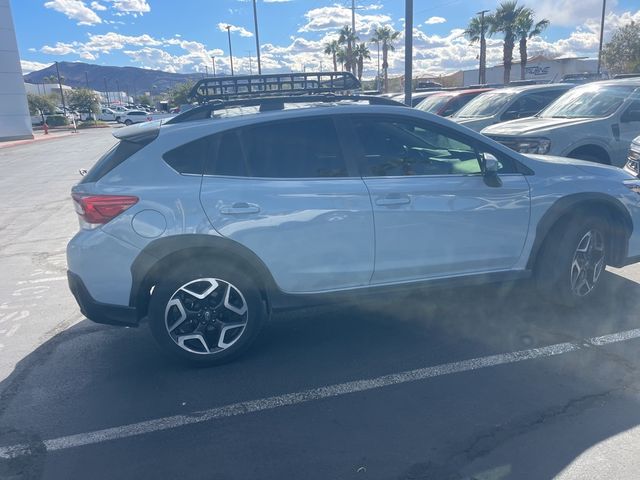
(133, 80)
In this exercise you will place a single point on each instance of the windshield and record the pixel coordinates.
(591, 101)
(485, 105)
(434, 103)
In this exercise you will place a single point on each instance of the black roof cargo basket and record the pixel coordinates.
(225, 88)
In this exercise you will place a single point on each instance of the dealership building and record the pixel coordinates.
(15, 122)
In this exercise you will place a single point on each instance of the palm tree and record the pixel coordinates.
(504, 21)
(526, 28)
(341, 56)
(331, 48)
(348, 38)
(385, 36)
(361, 53)
(474, 34)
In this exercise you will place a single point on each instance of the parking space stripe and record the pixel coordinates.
(270, 403)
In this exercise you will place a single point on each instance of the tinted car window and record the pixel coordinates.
(400, 147)
(228, 159)
(300, 149)
(114, 157)
(188, 158)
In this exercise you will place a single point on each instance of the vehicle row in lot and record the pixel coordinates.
(208, 223)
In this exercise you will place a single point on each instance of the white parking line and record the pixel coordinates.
(42, 280)
(270, 403)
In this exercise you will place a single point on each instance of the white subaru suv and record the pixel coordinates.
(594, 122)
(238, 208)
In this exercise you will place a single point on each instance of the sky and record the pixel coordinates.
(181, 36)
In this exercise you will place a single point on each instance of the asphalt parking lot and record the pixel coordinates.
(483, 383)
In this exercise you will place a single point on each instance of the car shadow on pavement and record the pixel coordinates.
(92, 377)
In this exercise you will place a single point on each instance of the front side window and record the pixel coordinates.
(401, 147)
(485, 105)
(305, 148)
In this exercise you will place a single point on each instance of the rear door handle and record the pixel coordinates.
(239, 208)
(393, 199)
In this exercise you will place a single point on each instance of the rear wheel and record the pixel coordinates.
(206, 314)
(573, 260)
(128, 122)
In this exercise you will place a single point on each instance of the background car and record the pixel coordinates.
(134, 116)
(416, 97)
(505, 104)
(596, 122)
(107, 115)
(446, 104)
(633, 162)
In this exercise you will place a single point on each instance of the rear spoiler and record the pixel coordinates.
(139, 132)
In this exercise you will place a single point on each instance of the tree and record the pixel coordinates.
(41, 104)
(504, 21)
(526, 29)
(179, 94)
(348, 38)
(474, 34)
(386, 36)
(83, 100)
(622, 53)
(144, 100)
(341, 56)
(331, 48)
(361, 53)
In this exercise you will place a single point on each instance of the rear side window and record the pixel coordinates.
(188, 158)
(306, 148)
(228, 158)
(110, 160)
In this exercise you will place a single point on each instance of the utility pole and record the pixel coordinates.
(118, 88)
(86, 79)
(64, 107)
(353, 17)
(213, 62)
(250, 65)
(378, 86)
(228, 27)
(255, 22)
(604, 9)
(106, 92)
(206, 70)
(483, 51)
(408, 51)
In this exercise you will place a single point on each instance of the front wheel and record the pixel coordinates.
(128, 122)
(573, 260)
(206, 314)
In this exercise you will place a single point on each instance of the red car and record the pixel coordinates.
(447, 103)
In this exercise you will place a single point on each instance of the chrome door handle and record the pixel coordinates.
(393, 199)
(239, 208)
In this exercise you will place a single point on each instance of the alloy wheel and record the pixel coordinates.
(588, 263)
(206, 316)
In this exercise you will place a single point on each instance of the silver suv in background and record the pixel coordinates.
(633, 161)
(594, 122)
(506, 104)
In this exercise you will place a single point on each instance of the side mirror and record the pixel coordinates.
(491, 165)
(631, 115)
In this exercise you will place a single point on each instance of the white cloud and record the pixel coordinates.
(569, 13)
(131, 6)
(98, 6)
(60, 48)
(29, 66)
(434, 20)
(337, 16)
(243, 32)
(75, 10)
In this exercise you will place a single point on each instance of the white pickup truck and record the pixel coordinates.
(594, 122)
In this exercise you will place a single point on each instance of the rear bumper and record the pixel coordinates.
(100, 312)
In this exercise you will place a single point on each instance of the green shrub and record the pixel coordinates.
(57, 120)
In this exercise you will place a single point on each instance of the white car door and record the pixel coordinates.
(435, 213)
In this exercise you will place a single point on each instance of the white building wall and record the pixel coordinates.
(15, 122)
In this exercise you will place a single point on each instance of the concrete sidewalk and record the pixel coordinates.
(38, 136)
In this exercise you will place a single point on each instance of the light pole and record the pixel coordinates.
(228, 27)
(483, 50)
(213, 63)
(255, 22)
(64, 108)
(118, 88)
(604, 8)
(378, 77)
(408, 50)
(106, 92)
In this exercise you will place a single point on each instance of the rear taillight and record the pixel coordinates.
(100, 209)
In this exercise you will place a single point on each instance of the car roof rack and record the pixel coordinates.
(229, 87)
(270, 103)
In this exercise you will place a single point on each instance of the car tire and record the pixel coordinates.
(571, 264)
(128, 122)
(232, 299)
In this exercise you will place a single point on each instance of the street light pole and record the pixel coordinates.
(213, 62)
(604, 9)
(118, 88)
(353, 17)
(483, 51)
(106, 92)
(64, 108)
(255, 22)
(408, 51)
(378, 77)
(228, 27)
